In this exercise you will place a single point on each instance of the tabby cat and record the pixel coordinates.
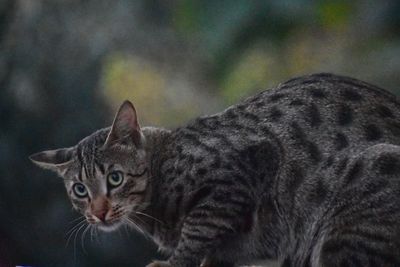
(307, 174)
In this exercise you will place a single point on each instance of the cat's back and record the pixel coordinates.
(313, 118)
(319, 113)
(323, 114)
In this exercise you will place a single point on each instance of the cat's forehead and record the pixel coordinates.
(91, 149)
(94, 140)
(92, 146)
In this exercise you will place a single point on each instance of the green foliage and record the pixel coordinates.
(334, 15)
(187, 17)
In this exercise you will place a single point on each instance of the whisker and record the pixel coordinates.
(145, 223)
(97, 235)
(131, 222)
(91, 233)
(76, 219)
(149, 216)
(69, 237)
(75, 226)
(126, 229)
(83, 238)
(137, 227)
(76, 234)
(71, 232)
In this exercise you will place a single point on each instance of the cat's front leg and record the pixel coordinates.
(205, 263)
(204, 232)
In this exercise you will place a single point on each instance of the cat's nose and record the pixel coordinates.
(101, 214)
(100, 207)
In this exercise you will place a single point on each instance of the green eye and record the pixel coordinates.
(80, 190)
(115, 179)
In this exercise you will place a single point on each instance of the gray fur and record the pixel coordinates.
(307, 173)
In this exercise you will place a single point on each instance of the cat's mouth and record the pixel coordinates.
(105, 225)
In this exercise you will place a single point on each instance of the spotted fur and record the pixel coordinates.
(307, 173)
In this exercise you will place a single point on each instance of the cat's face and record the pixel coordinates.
(106, 175)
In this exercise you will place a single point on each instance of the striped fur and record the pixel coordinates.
(307, 173)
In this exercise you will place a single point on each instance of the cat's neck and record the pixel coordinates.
(155, 145)
(155, 141)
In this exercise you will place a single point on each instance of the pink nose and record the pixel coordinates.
(101, 214)
(100, 207)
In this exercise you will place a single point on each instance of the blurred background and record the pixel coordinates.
(66, 65)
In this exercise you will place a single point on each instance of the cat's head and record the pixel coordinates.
(107, 173)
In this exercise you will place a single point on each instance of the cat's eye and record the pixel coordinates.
(115, 179)
(80, 190)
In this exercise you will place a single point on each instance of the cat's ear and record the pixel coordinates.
(56, 160)
(125, 128)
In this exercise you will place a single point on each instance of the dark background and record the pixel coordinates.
(66, 65)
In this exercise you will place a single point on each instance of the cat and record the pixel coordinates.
(307, 174)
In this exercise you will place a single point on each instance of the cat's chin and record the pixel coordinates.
(109, 227)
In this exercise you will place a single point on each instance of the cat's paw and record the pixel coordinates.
(159, 264)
